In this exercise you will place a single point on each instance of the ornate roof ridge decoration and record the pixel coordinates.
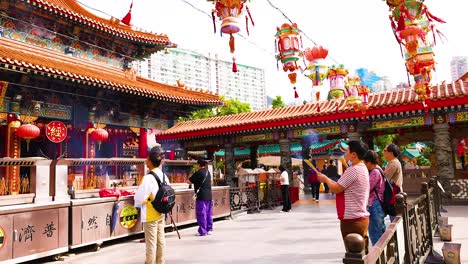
(20, 56)
(71, 9)
(384, 103)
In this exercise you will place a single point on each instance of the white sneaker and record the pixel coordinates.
(198, 234)
(210, 232)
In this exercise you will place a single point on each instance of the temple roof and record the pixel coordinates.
(19, 56)
(70, 9)
(396, 101)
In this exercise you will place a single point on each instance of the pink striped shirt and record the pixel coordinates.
(351, 204)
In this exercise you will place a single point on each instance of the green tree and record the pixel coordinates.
(230, 107)
(278, 102)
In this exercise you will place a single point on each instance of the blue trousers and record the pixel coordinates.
(204, 211)
(376, 221)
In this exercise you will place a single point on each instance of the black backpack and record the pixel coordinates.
(165, 198)
(390, 191)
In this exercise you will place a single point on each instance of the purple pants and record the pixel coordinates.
(204, 210)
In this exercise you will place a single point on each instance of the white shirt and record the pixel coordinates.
(148, 189)
(284, 175)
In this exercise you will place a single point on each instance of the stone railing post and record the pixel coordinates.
(425, 191)
(435, 201)
(402, 210)
(355, 253)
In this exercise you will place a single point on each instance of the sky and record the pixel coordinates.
(357, 34)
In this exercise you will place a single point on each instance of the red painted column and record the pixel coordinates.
(13, 150)
(86, 151)
(143, 143)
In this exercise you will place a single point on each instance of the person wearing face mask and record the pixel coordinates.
(352, 192)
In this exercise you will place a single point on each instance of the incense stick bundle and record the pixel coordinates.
(311, 165)
(343, 160)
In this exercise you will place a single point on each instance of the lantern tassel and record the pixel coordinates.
(232, 44)
(276, 46)
(296, 95)
(250, 16)
(27, 144)
(247, 24)
(213, 18)
(300, 37)
(128, 17)
(234, 65)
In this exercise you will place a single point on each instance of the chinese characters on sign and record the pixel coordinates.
(108, 219)
(49, 229)
(26, 233)
(92, 223)
(56, 131)
(128, 216)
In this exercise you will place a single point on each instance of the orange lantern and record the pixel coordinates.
(364, 93)
(99, 135)
(28, 132)
(411, 22)
(229, 12)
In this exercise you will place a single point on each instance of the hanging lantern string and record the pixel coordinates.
(301, 31)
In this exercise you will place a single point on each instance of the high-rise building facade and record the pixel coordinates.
(207, 72)
(458, 67)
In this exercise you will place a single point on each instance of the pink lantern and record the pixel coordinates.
(336, 75)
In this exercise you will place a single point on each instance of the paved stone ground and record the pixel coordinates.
(308, 234)
(458, 217)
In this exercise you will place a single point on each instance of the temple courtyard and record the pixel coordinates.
(308, 234)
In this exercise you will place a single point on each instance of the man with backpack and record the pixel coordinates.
(393, 170)
(153, 221)
(201, 180)
(376, 196)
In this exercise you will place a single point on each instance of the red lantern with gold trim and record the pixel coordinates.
(28, 132)
(99, 135)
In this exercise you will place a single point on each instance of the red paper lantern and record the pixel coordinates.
(28, 132)
(99, 135)
(316, 53)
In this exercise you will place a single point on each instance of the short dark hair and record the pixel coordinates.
(202, 162)
(155, 156)
(358, 147)
(331, 162)
(372, 157)
(394, 149)
(281, 168)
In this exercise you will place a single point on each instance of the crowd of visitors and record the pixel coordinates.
(359, 194)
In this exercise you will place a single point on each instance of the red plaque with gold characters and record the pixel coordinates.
(56, 131)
